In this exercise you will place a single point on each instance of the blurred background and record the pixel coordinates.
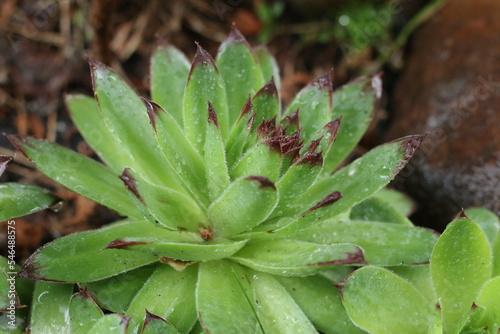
(440, 59)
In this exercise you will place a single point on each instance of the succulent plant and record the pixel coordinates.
(458, 292)
(240, 216)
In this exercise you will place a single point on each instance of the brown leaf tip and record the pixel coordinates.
(122, 244)
(212, 116)
(130, 183)
(151, 317)
(206, 233)
(246, 108)
(201, 58)
(19, 142)
(292, 119)
(328, 200)
(356, 257)
(411, 144)
(313, 159)
(462, 214)
(4, 161)
(269, 89)
(324, 82)
(263, 181)
(153, 110)
(333, 128)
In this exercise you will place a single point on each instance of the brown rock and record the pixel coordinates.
(451, 89)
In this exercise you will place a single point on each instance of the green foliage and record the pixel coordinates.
(239, 218)
(457, 292)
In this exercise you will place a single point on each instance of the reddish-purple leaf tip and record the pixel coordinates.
(410, 144)
(324, 82)
(130, 183)
(328, 200)
(212, 116)
(333, 127)
(4, 161)
(201, 58)
(153, 109)
(19, 142)
(462, 214)
(246, 108)
(263, 181)
(122, 244)
(292, 119)
(150, 317)
(356, 257)
(268, 89)
(312, 158)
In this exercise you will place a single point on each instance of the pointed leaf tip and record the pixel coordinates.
(263, 181)
(324, 82)
(357, 257)
(461, 215)
(151, 317)
(328, 200)
(313, 159)
(153, 109)
(410, 145)
(333, 127)
(269, 89)
(212, 116)
(202, 57)
(122, 244)
(293, 119)
(247, 107)
(129, 182)
(18, 142)
(4, 161)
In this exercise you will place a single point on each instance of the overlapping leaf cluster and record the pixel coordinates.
(236, 221)
(458, 292)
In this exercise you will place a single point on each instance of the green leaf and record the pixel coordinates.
(381, 302)
(315, 106)
(355, 102)
(49, 311)
(376, 209)
(320, 302)
(171, 209)
(401, 202)
(179, 151)
(223, 294)
(178, 250)
(78, 173)
(127, 119)
(355, 182)
(383, 244)
(83, 312)
(487, 220)
(496, 256)
(154, 324)
(217, 174)
(85, 113)
(204, 84)
(18, 200)
(266, 103)
(261, 159)
(460, 264)
(296, 258)
(84, 258)
(276, 309)
(268, 66)
(239, 135)
(169, 294)
(489, 297)
(235, 210)
(169, 71)
(420, 277)
(240, 71)
(110, 324)
(116, 293)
